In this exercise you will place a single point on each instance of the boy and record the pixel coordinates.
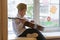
(18, 24)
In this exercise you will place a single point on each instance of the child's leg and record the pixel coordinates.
(40, 36)
(30, 31)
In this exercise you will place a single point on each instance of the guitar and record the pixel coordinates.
(29, 24)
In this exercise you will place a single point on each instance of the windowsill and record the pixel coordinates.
(52, 37)
(48, 35)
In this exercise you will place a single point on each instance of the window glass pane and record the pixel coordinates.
(44, 9)
(12, 12)
(29, 13)
(54, 1)
(54, 14)
(49, 13)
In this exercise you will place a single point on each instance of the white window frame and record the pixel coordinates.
(36, 11)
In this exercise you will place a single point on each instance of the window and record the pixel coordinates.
(49, 13)
(45, 11)
(12, 12)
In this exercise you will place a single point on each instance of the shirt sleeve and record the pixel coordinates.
(17, 27)
(19, 24)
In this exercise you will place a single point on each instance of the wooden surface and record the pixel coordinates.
(0, 22)
(4, 20)
(47, 38)
(53, 38)
(22, 38)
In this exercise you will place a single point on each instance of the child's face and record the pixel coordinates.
(22, 12)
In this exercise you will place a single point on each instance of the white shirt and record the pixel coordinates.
(18, 26)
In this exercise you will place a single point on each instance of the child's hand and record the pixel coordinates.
(17, 21)
(23, 21)
(32, 21)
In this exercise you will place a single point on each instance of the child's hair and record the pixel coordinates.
(21, 6)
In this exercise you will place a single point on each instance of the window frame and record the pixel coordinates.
(0, 23)
(4, 20)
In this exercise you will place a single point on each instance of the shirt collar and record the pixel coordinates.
(19, 16)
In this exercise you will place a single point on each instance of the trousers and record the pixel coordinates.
(30, 31)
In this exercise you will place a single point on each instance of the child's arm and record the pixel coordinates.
(29, 24)
(20, 22)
